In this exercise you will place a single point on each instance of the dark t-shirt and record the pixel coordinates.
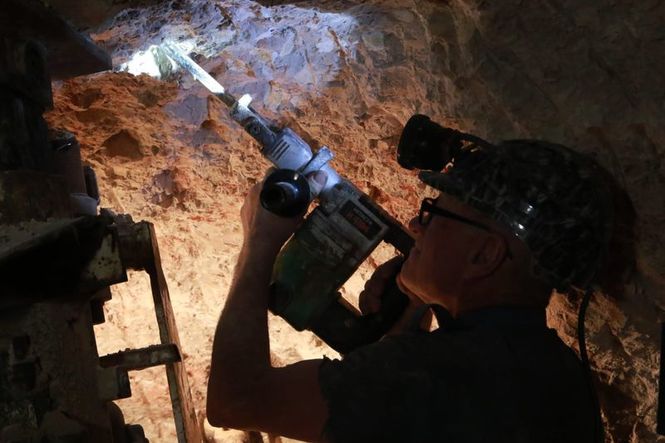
(497, 375)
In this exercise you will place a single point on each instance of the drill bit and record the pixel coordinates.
(183, 60)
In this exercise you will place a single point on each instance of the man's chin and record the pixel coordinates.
(403, 286)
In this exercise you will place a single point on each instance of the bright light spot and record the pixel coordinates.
(143, 62)
(520, 226)
(245, 100)
(190, 36)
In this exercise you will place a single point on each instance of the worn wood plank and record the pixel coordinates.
(187, 425)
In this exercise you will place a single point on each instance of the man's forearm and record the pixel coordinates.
(244, 390)
(241, 350)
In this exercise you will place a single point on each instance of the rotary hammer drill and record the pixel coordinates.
(336, 237)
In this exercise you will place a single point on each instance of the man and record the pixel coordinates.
(510, 224)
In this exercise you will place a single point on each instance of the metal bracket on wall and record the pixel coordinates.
(75, 257)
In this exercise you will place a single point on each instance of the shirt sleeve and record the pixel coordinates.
(376, 393)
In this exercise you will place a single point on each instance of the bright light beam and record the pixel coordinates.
(190, 65)
(143, 62)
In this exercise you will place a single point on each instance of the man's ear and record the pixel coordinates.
(486, 256)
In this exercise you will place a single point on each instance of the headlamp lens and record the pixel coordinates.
(427, 145)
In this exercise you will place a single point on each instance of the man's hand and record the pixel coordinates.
(264, 229)
(370, 298)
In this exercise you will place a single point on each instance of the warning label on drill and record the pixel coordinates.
(361, 221)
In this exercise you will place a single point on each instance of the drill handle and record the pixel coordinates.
(344, 329)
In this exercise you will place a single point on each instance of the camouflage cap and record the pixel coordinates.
(550, 197)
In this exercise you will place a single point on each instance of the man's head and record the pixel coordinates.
(465, 260)
(542, 203)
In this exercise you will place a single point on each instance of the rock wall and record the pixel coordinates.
(348, 75)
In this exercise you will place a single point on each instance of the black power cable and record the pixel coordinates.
(599, 432)
(660, 421)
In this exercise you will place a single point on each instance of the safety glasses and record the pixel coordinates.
(428, 209)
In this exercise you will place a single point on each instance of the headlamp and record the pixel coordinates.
(426, 145)
(429, 146)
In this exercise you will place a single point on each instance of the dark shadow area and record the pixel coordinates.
(621, 255)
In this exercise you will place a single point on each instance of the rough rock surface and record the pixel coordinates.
(349, 74)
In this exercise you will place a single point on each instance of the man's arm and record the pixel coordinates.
(244, 390)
